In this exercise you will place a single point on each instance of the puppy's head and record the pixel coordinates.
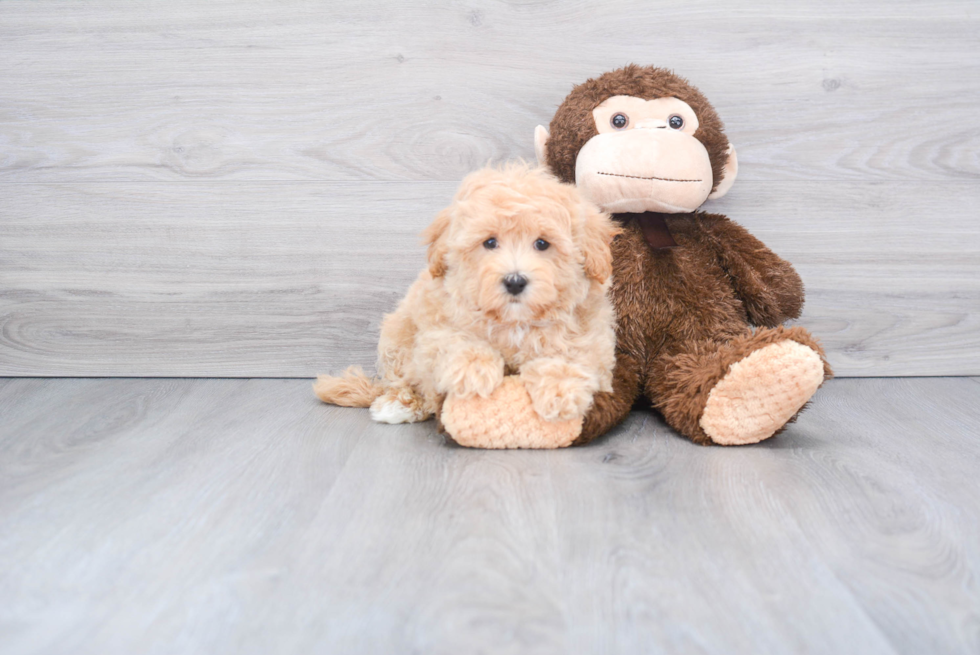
(518, 245)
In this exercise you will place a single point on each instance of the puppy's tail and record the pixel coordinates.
(353, 389)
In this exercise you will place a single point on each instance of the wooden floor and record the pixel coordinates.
(241, 516)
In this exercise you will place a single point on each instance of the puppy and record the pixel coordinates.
(518, 269)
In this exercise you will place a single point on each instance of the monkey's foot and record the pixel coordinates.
(507, 419)
(761, 393)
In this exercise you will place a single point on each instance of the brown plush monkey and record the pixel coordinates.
(699, 300)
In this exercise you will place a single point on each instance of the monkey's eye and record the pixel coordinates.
(541, 244)
(619, 121)
(490, 243)
(676, 122)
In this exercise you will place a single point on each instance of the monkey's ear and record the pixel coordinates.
(597, 235)
(729, 172)
(435, 237)
(541, 144)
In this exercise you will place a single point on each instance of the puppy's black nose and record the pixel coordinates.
(515, 283)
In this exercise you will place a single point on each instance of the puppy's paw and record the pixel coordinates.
(473, 373)
(399, 406)
(559, 391)
(560, 400)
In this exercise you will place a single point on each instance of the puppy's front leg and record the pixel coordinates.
(463, 367)
(472, 371)
(559, 389)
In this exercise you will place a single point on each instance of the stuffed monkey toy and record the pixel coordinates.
(699, 300)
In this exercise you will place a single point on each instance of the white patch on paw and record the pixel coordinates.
(389, 410)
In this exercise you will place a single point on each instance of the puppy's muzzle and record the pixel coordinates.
(515, 283)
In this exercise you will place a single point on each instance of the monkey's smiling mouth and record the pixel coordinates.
(652, 177)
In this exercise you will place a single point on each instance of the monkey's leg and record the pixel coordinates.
(609, 409)
(739, 391)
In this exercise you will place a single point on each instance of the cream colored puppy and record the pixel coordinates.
(518, 269)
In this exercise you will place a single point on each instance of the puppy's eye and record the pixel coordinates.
(490, 243)
(541, 244)
(619, 121)
(676, 122)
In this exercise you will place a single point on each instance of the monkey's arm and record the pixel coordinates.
(769, 287)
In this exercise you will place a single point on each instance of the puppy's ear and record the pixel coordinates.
(597, 234)
(435, 237)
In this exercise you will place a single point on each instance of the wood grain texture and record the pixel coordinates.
(241, 516)
(381, 90)
(287, 279)
(869, 492)
(234, 189)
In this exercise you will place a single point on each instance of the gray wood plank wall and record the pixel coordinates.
(235, 189)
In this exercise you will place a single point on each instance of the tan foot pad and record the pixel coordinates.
(760, 393)
(505, 420)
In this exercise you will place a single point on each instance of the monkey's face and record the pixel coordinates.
(645, 157)
(639, 139)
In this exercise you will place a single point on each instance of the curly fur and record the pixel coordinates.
(353, 389)
(458, 330)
